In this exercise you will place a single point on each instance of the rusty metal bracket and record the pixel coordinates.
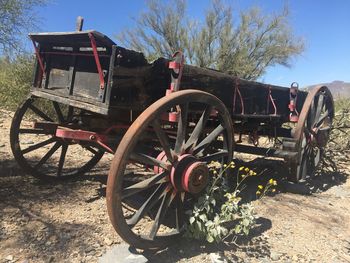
(97, 60)
(293, 95)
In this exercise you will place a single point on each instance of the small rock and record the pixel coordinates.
(124, 254)
(9, 258)
(27, 142)
(107, 241)
(218, 257)
(275, 256)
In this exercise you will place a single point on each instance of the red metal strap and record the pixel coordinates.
(240, 96)
(174, 65)
(81, 135)
(97, 60)
(37, 54)
(272, 101)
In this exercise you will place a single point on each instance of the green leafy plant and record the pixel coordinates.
(219, 212)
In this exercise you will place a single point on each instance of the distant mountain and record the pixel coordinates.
(337, 87)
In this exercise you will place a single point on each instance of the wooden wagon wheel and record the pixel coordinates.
(38, 151)
(148, 194)
(312, 132)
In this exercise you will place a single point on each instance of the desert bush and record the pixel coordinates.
(338, 147)
(219, 212)
(15, 80)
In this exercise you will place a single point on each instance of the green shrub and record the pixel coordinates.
(219, 212)
(15, 80)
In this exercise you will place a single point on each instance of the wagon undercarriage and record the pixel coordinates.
(164, 122)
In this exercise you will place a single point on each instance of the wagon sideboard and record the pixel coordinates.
(115, 78)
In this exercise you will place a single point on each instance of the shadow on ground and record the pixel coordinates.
(16, 189)
(187, 248)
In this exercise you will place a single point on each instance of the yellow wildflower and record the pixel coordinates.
(258, 192)
(241, 168)
(215, 172)
(246, 169)
(273, 190)
(260, 187)
(225, 165)
(271, 181)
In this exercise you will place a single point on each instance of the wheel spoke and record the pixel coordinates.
(197, 131)
(163, 139)
(58, 111)
(90, 149)
(311, 115)
(146, 159)
(62, 159)
(311, 161)
(320, 120)
(53, 149)
(40, 113)
(320, 104)
(35, 131)
(214, 156)
(179, 213)
(317, 156)
(38, 145)
(147, 205)
(209, 139)
(70, 113)
(145, 184)
(181, 129)
(166, 201)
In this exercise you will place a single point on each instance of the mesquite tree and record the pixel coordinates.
(243, 46)
(17, 18)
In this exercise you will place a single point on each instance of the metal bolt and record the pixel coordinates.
(92, 137)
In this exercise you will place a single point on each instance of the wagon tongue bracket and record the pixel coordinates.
(78, 136)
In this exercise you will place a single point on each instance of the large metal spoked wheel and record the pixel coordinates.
(312, 133)
(161, 166)
(36, 148)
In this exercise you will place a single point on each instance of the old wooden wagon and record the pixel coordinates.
(164, 122)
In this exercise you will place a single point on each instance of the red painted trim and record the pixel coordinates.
(73, 54)
(41, 63)
(174, 65)
(272, 101)
(97, 60)
(240, 97)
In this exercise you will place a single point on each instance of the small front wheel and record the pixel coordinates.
(37, 149)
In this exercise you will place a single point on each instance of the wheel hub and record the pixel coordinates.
(189, 174)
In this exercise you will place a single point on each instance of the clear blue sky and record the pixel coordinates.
(324, 24)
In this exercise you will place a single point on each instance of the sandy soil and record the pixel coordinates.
(68, 221)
